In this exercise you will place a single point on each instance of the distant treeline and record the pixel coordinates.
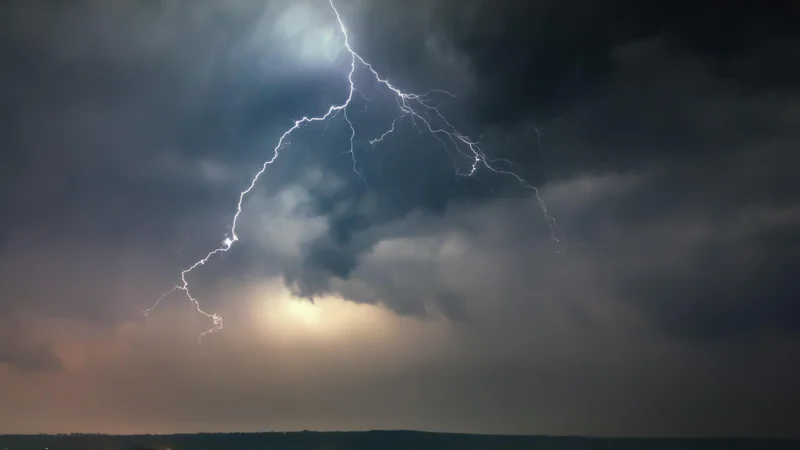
(372, 440)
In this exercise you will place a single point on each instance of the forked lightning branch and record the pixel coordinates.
(415, 107)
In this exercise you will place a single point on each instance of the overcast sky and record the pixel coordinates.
(663, 139)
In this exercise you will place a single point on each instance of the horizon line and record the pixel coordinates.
(378, 430)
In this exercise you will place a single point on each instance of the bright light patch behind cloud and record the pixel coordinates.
(337, 326)
(306, 31)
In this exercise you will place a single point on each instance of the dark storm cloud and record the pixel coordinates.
(134, 122)
(542, 57)
(723, 171)
(101, 95)
(103, 122)
(700, 114)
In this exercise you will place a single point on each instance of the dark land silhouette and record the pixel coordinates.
(384, 440)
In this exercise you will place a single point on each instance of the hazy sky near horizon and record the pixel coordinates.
(660, 137)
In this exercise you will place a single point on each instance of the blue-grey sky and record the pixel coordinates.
(661, 138)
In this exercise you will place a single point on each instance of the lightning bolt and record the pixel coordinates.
(416, 107)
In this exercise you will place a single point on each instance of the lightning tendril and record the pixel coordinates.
(416, 107)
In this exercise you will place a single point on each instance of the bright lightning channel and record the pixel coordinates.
(411, 105)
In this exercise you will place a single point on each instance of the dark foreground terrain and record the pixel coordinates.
(384, 440)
